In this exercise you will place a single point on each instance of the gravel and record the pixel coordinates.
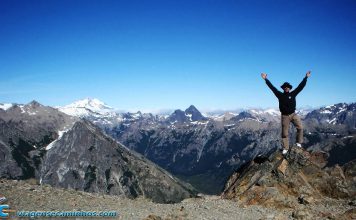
(29, 196)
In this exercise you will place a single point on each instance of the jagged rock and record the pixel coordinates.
(283, 166)
(287, 181)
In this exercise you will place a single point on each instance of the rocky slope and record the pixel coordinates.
(298, 178)
(29, 196)
(40, 142)
(25, 131)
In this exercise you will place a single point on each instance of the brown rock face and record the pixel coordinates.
(298, 178)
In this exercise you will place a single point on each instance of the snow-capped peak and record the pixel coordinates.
(270, 111)
(92, 104)
(86, 107)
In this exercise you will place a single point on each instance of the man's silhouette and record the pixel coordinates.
(287, 104)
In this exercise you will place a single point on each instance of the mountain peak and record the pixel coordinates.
(34, 103)
(89, 103)
(191, 109)
(86, 107)
(194, 113)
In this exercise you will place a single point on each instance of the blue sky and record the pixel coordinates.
(172, 53)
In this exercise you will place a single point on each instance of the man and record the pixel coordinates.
(287, 104)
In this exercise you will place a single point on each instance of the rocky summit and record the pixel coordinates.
(299, 178)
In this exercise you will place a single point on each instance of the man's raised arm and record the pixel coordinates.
(301, 85)
(269, 84)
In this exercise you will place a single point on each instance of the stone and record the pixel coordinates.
(283, 166)
(305, 200)
(352, 203)
(153, 217)
(301, 215)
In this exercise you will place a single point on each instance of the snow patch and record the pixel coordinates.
(22, 109)
(63, 169)
(333, 121)
(32, 113)
(5, 106)
(326, 111)
(199, 123)
(189, 116)
(341, 110)
(60, 134)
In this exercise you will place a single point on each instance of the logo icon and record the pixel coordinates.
(4, 211)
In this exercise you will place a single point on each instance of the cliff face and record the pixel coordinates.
(298, 178)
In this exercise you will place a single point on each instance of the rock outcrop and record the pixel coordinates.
(299, 177)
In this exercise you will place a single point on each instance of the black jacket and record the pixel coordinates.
(287, 101)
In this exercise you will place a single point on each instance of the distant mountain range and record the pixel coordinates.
(205, 149)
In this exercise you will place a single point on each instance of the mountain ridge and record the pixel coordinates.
(206, 152)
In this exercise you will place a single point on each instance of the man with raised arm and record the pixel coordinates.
(287, 105)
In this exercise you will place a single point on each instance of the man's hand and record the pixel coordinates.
(308, 74)
(264, 75)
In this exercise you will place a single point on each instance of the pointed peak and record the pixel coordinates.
(192, 108)
(34, 103)
(194, 114)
